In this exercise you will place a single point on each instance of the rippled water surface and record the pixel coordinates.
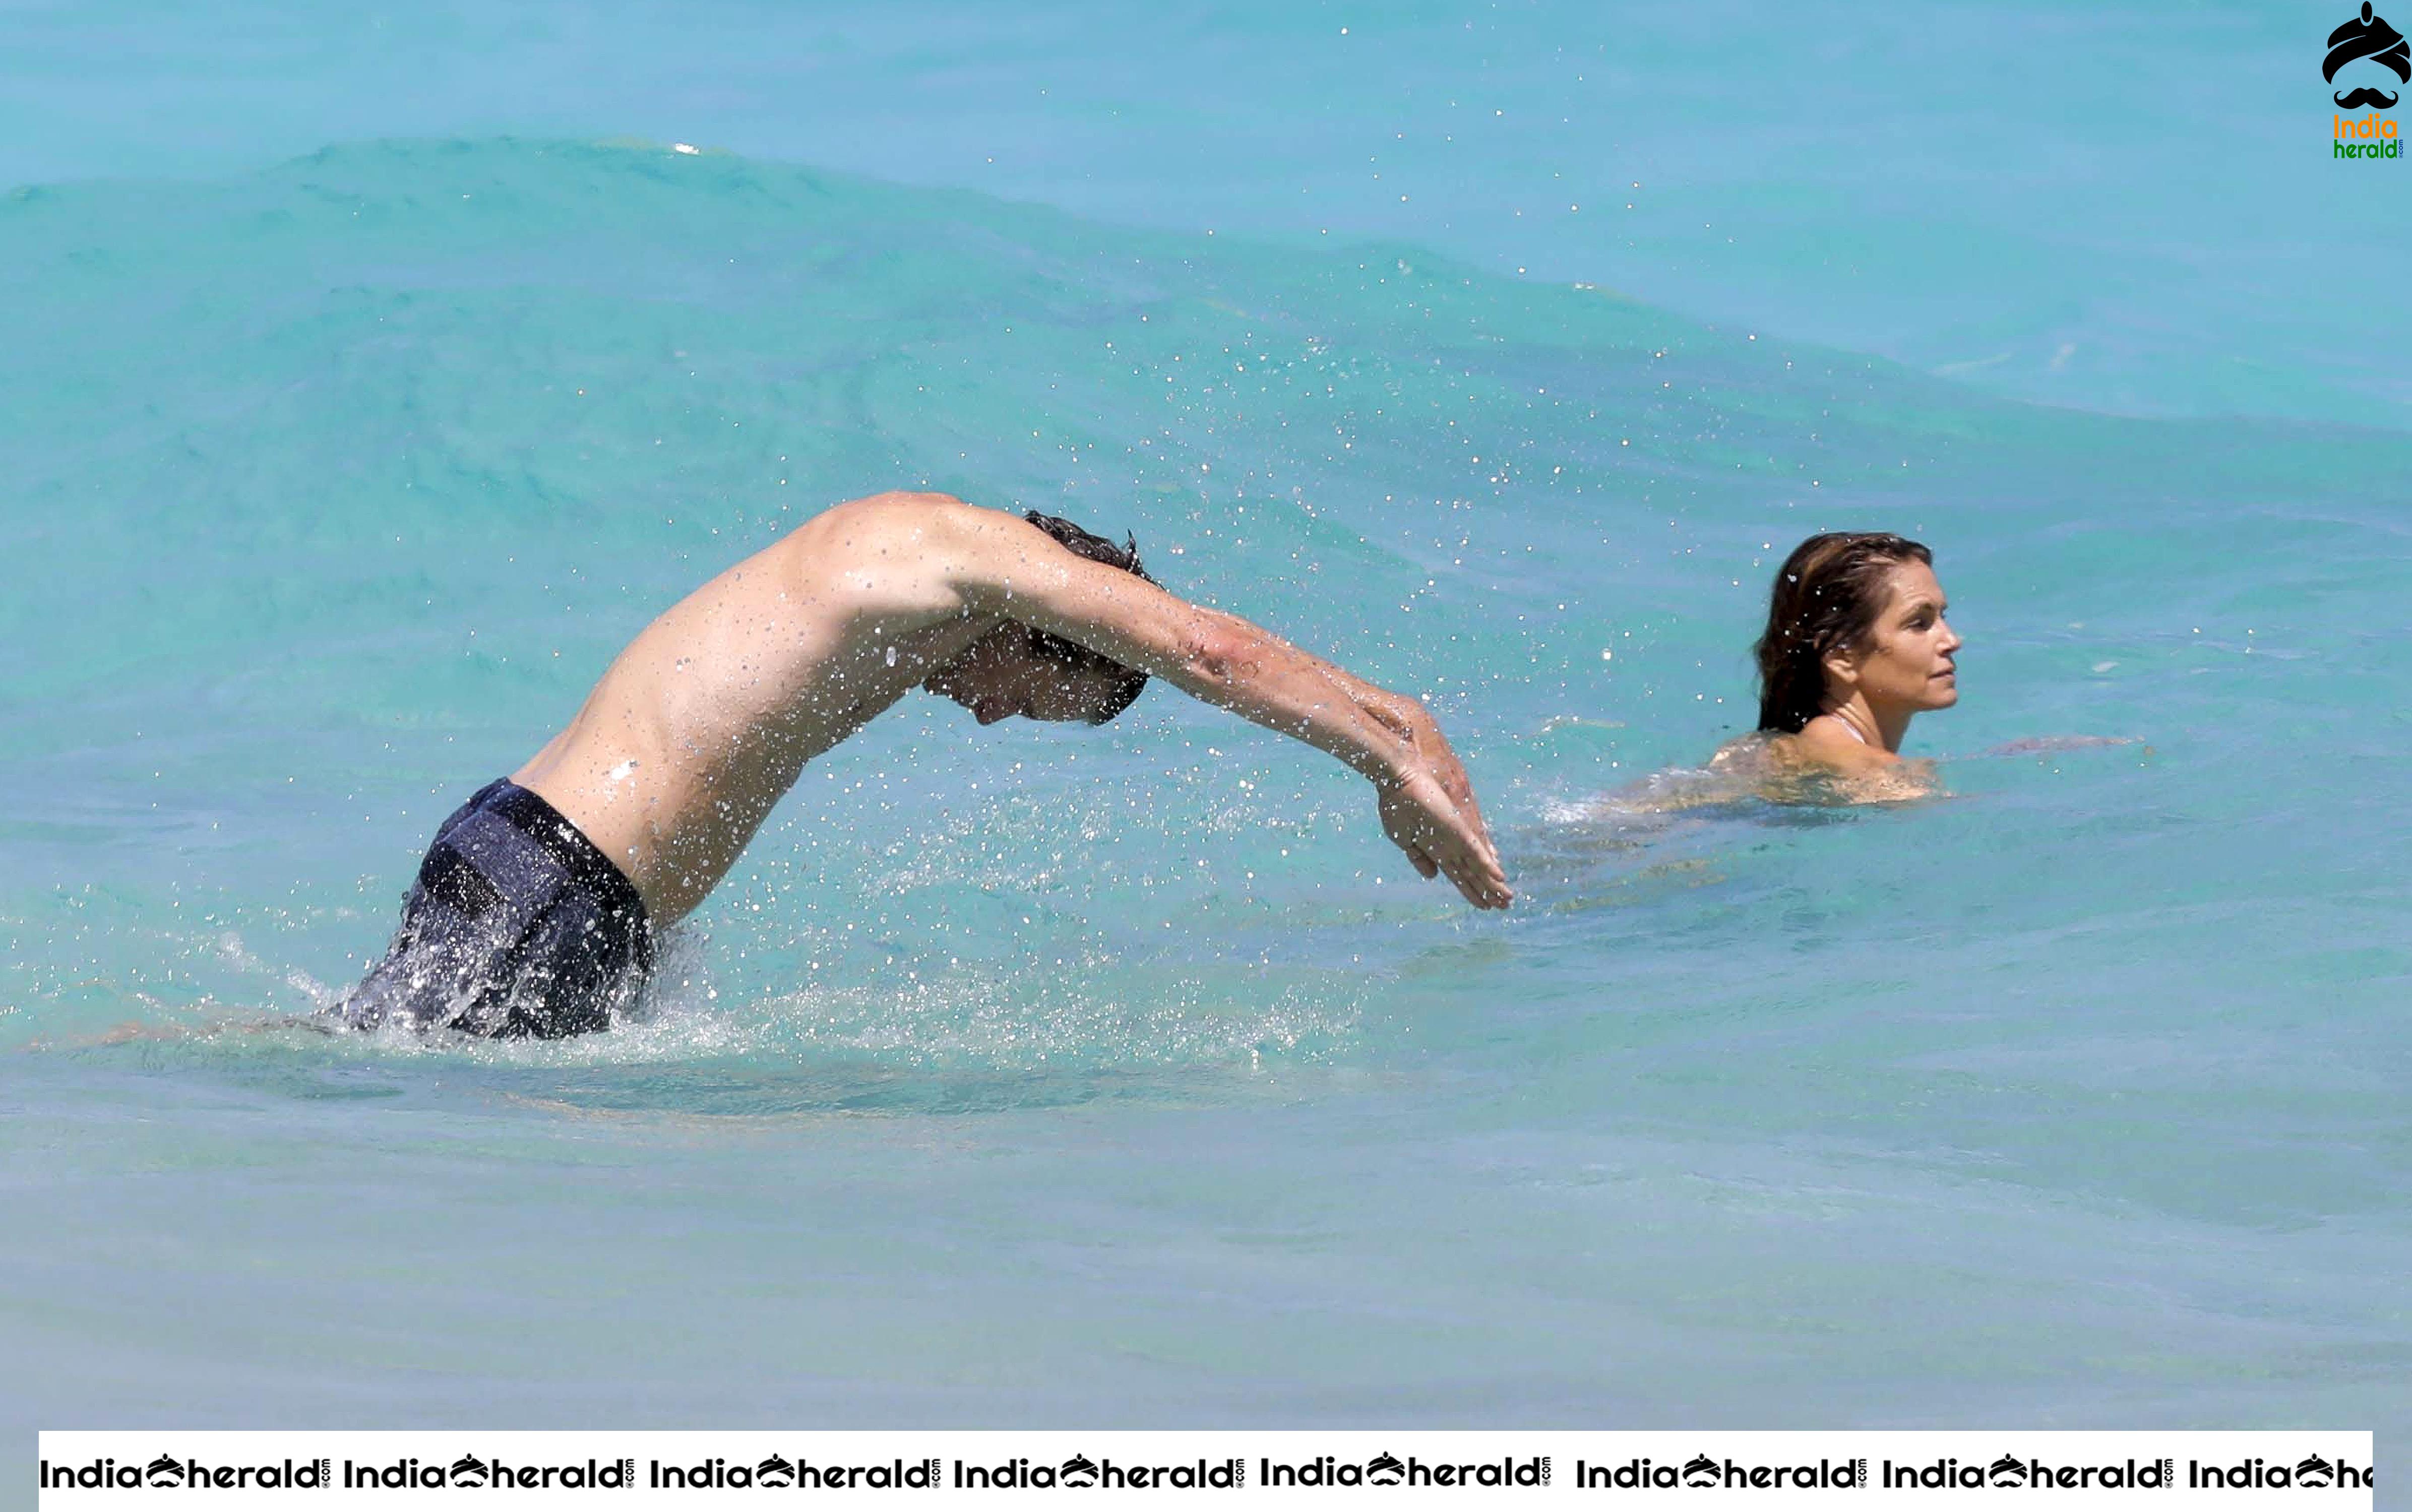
(1125, 1075)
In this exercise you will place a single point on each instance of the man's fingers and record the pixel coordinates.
(1482, 856)
(1468, 889)
(1480, 880)
(1472, 867)
(1476, 870)
(1480, 892)
(1448, 839)
(1460, 789)
(1483, 885)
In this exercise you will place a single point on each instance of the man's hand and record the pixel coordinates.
(1428, 810)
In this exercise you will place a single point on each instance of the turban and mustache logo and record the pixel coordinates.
(2369, 38)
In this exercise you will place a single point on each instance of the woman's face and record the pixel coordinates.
(1908, 663)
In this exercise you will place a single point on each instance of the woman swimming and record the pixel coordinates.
(1856, 646)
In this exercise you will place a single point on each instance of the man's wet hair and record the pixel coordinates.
(1070, 654)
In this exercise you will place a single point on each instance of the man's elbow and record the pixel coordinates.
(1218, 659)
(1403, 716)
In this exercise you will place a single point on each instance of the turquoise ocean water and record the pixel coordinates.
(372, 379)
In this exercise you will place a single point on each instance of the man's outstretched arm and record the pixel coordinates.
(1427, 803)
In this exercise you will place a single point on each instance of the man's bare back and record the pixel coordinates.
(706, 719)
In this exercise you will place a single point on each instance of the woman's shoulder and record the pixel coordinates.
(1825, 763)
(1829, 742)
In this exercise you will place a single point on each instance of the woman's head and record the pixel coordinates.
(1854, 613)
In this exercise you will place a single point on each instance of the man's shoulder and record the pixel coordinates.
(965, 543)
(906, 511)
(885, 531)
(899, 548)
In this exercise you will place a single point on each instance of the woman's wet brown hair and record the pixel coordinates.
(1827, 597)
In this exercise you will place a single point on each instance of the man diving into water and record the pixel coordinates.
(534, 910)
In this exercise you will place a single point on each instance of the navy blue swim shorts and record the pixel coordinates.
(517, 926)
